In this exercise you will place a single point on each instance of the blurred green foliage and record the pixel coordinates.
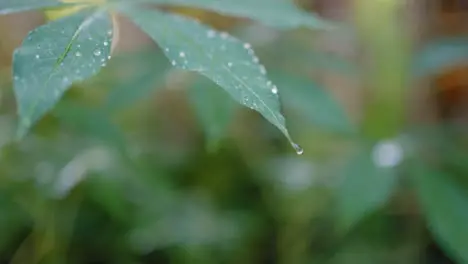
(145, 163)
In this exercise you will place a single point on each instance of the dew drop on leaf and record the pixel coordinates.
(97, 53)
(274, 89)
(299, 150)
(210, 33)
(78, 54)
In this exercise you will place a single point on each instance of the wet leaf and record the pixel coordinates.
(53, 57)
(276, 13)
(13, 6)
(222, 58)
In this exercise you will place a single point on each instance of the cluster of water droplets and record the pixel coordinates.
(230, 63)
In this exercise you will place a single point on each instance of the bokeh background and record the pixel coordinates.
(148, 164)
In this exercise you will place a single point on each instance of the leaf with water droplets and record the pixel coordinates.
(13, 6)
(222, 58)
(54, 56)
(276, 13)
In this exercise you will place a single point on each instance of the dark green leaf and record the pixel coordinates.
(12, 6)
(445, 205)
(439, 55)
(277, 13)
(227, 61)
(54, 56)
(365, 187)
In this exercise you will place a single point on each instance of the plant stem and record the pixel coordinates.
(381, 27)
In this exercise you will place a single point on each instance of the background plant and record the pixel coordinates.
(115, 170)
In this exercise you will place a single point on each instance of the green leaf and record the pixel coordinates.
(312, 102)
(13, 6)
(225, 60)
(277, 13)
(213, 108)
(365, 187)
(53, 57)
(439, 55)
(445, 205)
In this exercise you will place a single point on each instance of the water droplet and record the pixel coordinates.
(299, 150)
(269, 83)
(210, 33)
(109, 57)
(229, 64)
(166, 49)
(97, 52)
(256, 60)
(182, 54)
(79, 45)
(274, 89)
(106, 43)
(16, 78)
(262, 69)
(65, 80)
(78, 54)
(224, 35)
(109, 33)
(38, 56)
(174, 63)
(247, 46)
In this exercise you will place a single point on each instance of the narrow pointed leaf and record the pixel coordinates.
(54, 56)
(225, 60)
(445, 205)
(276, 13)
(365, 188)
(13, 6)
(440, 55)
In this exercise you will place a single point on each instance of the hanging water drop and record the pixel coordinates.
(299, 150)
